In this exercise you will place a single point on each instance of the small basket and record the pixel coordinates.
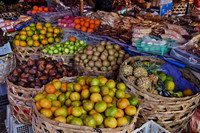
(68, 59)
(52, 17)
(20, 102)
(190, 59)
(7, 64)
(171, 113)
(153, 49)
(25, 53)
(42, 124)
(151, 127)
(179, 8)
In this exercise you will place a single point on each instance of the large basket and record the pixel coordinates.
(41, 124)
(68, 59)
(171, 113)
(7, 64)
(20, 102)
(25, 53)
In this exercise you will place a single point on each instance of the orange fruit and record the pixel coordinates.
(122, 103)
(100, 106)
(57, 84)
(78, 26)
(46, 9)
(82, 19)
(88, 105)
(72, 39)
(97, 22)
(45, 103)
(33, 11)
(85, 93)
(188, 92)
(120, 113)
(92, 21)
(82, 23)
(121, 121)
(38, 97)
(64, 87)
(22, 43)
(103, 81)
(35, 7)
(83, 28)
(50, 89)
(92, 112)
(89, 30)
(56, 103)
(68, 102)
(77, 21)
(69, 110)
(46, 112)
(95, 97)
(76, 111)
(110, 122)
(107, 99)
(87, 24)
(130, 110)
(77, 87)
(58, 93)
(92, 26)
(98, 118)
(40, 9)
(60, 112)
(38, 107)
(85, 87)
(53, 109)
(90, 121)
(54, 80)
(61, 119)
(87, 19)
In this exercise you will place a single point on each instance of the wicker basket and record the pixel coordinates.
(24, 53)
(171, 113)
(179, 8)
(7, 64)
(20, 102)
(41, 124)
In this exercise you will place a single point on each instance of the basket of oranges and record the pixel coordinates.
(84, 104)
(30, 40)
(162, 99)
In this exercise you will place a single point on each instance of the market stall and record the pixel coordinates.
(93, 66)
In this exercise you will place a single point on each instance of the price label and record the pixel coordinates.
(6, 49)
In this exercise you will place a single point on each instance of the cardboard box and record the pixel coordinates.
(162, 9)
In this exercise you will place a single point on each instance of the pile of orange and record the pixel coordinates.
(86, 24)
(95, 102)
(37, 9)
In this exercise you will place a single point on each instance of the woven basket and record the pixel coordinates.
(41, 124)
(25, 53)
(171, 113)
(20, 102)
(7, 64)
(179, 8)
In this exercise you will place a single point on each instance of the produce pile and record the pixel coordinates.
(37, 9)
(70, 47)
(37, 35)
(94, 102)
(36, 73)
(149, 76)
(101, 57)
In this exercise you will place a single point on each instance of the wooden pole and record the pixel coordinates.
(81, 6)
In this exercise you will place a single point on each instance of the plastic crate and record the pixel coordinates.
(151, 127)
(154, 49)
(13, 127)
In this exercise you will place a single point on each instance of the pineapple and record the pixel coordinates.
(143, 82)
(139, 70)
(127, 70)
(131, 79)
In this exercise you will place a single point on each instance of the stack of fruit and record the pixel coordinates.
(86, 24)
(101, 57)
(37, 9)
(70, 47)
(148, 76)
(37, 35)
(67, 21)
(94, 102)
(36, 73)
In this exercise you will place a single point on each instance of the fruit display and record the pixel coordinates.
(96, 102)
(67, 21)
(37, 35)
(86, 24)
(37, 9)
(105, 56)
(150, 77)
(36, 73)
(4, 39)
(70, 47)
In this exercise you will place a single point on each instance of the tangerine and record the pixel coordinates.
(188, 92)
(78, 26)
(83, 28)
(33, 11)
(64, 87)
(50, 89)
(45, 103)
(121, 121)
(130, 110)
(61, 119)
(77, 21)
(53, 109)
(69, 110)
(100, 106)
(87, 19)
(56, 103)
(107, 99)
(120, 113)
(97, 22)
(89, 30)
(38, 107)
(57, 84)
(95, 97)
(122, 103)
(87, 24)
(82, 23)
(72, 39)
(35, 7)
(46, 112)
(92, 21)
(61, 112)
(92, 26)
(110, 122)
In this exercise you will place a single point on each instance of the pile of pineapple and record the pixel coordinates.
(145, 75)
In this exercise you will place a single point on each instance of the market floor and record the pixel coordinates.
(2, 124)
